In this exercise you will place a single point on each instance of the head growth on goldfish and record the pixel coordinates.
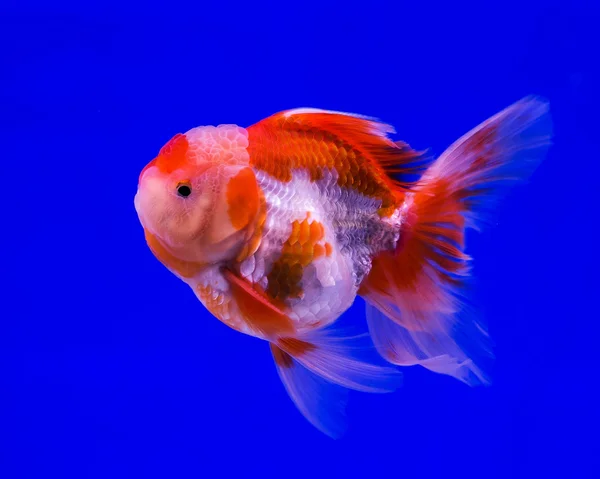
(198, 199)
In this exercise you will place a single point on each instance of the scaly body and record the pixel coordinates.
(316, 247)
(278, 227)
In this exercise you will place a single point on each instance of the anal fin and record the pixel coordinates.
(319, 370)
(321, 402)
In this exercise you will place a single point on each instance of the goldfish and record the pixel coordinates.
(278, 227)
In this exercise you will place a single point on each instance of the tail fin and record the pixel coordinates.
(319, 369)
(415, 295)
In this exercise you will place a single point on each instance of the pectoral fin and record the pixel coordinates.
(257, 309)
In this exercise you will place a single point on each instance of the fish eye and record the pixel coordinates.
(184, 189)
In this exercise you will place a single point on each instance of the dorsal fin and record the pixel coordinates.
(310, 110)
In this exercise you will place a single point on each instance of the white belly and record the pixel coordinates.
(317, 293)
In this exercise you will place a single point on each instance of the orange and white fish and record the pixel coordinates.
(279, 226)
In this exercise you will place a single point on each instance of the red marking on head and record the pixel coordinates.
(173, 155)
(170, 157)
(243, 198)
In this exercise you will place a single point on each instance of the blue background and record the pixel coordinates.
(109, 365)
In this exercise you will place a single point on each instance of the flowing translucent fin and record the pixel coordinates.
(322, 403)
(343, 361)
(485, 163)
(421, 285)
(316, 368)
(319, 370)
(434, 350)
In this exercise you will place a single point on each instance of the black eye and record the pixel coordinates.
(184, 190)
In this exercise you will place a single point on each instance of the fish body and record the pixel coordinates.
(279, 226)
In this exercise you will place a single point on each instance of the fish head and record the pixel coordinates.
(198, 198)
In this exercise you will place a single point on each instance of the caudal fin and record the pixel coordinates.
(415, 295)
